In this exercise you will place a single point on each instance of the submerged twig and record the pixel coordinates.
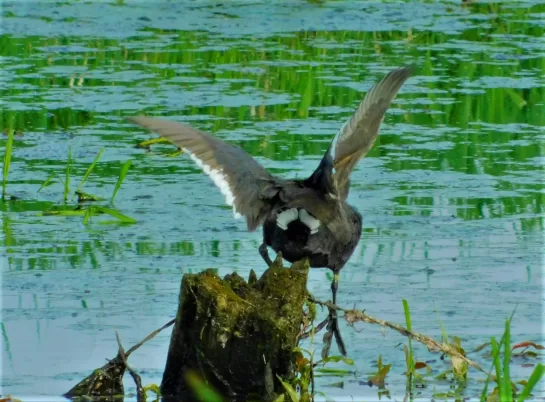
(353, 316)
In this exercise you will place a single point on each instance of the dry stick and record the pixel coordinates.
(353, 316)
(140, 393)
(147, 338)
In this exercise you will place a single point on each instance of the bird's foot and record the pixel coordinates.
(315, 329)
(332, 331)
(332, 323)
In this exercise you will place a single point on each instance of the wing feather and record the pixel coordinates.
(239, 177)
(358, 134)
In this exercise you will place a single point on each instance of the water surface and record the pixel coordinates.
(452, 194)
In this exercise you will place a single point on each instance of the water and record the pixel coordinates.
(452, 194)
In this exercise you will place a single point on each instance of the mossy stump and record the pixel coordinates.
(235, 335)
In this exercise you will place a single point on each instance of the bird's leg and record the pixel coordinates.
(333, 321)
(265, 254)
(335, 286)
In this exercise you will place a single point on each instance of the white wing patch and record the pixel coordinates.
(288, 216)
(219, 179)
(309, 220)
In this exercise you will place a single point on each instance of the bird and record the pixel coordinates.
(301, 218)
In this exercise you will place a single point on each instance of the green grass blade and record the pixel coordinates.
(484, 392)
(289, 389)
(90, 169)
(114, 213)
(443, 330)
(407, 315)
(331, 372)
(122, 174)
(409, 327)
(495, 355)
(535, 377)
(497, 364)
(70, 212)
(203, 391)
(7, 161)
(506, 379)
(88, 214)
(336, 359)
(48, 181)
(67, 174)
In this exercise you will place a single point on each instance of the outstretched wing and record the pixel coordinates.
(357, 136)
(245, 184)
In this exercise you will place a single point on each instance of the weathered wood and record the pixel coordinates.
(105, 382)
(236, 336)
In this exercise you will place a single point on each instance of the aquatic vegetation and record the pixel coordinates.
(302, 387)
(122, 174)
(203, 391)
(531, 383)
(506, 390)
(7, 162)
(88, 172)
(409, 353)
(457, 375)
(95, 210)
(85, 206)
(68, 171)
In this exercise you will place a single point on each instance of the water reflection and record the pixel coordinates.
(452, 194)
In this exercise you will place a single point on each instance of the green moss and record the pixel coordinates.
(227, 328)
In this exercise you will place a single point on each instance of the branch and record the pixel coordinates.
(140, 393)
(147, 338)
(354, 316)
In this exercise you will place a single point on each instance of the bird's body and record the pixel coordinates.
(295, 231)
(300, 218)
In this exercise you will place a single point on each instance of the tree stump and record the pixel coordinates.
(237, 336)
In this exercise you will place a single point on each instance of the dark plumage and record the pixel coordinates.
(300, 218)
